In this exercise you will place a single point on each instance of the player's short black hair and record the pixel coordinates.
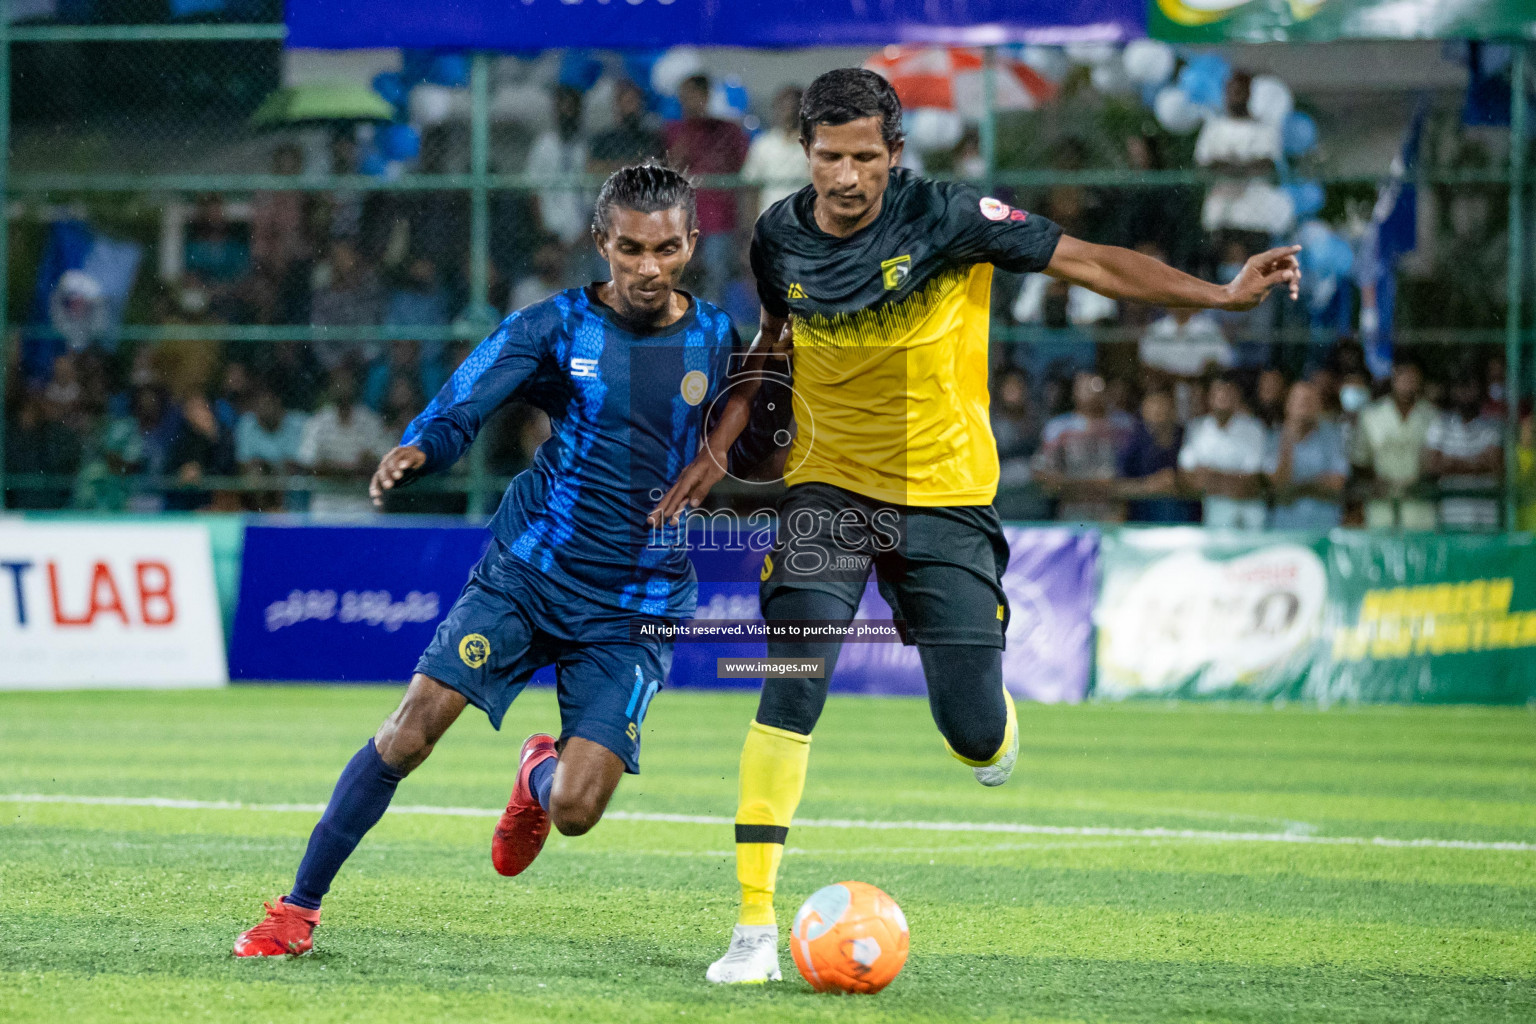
(645, 188)
(848, 94)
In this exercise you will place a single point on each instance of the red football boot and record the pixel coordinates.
(524, 825)
(287, 930)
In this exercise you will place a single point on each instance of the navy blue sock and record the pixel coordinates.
(542, 779)
(361, 796)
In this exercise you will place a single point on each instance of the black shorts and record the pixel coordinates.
(940, 569)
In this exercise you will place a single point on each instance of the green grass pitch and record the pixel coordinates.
(126, 913)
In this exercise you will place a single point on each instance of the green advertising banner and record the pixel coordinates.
(1351, 617)
(1319, 21)
(1426, 617)
(1189, 613)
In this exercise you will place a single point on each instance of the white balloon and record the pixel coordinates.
(676, 64)
(1050, 61)
(1148, 61)
(929, 129)
(1109, 78)
(1175, 111)
(430, 104)
(1270, 100)
(1091, 54)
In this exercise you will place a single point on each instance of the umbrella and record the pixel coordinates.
(950, 78)
(325, 101)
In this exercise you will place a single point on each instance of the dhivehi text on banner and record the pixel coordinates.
(542, 24)
(1188, 613)
(97, 605)
(346, 603)
(1313, 21)
(1430, 618)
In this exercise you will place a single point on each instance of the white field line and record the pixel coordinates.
(985, 827)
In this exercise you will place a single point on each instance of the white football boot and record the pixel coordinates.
(752, 959)
(996, 773)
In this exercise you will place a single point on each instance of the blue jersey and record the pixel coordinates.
(627, 411)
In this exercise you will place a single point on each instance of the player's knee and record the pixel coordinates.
(975, 741)
(402, 745)
(577, 815)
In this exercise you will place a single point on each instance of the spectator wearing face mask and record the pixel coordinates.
(1464, 450)
(1354, 396)
(1386, 451)
(1306, 465)
(1222, 457)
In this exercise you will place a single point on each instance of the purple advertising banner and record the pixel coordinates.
(1050, 584)
(359, 603)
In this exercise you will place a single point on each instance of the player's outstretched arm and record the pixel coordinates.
(709, 466)
(1126, 274)
(393, 468)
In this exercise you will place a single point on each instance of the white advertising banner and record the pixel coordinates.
(97, 605)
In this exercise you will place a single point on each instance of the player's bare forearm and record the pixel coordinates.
(1128, 275)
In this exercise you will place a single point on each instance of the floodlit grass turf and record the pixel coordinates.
(127, 913)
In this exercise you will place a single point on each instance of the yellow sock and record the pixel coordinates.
(773, 763)
(1013, 727)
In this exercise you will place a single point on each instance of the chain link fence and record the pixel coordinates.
(195, 270)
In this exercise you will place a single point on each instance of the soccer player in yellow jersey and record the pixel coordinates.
(880, 280)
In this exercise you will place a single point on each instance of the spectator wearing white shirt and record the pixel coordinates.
(1222, 457)
(343, 442)
(776, 159)
(1387, 451)
(267, 440)
(1464, 449)
(1184, 344)
(560, 151)
(1244, 149)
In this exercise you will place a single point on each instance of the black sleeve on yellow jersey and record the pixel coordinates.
(768, 291)
(981, 229)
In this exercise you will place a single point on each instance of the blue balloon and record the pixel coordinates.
(735, 94)
(668, 108)
(415, 65)
(1204, 80)
(1299, 134)
(450, 69)
(1307, 196)
(373, 164)
(392, 87)
(1340, 257)
(638, 65)
(580, 70)
(399, 142)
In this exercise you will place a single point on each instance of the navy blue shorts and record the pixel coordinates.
(507, 624)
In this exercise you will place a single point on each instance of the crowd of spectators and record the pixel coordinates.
(1101, 412)
(1256, 450)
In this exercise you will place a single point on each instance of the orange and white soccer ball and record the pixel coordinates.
(849, 937)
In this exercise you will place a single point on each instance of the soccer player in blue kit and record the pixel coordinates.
(626, 370)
